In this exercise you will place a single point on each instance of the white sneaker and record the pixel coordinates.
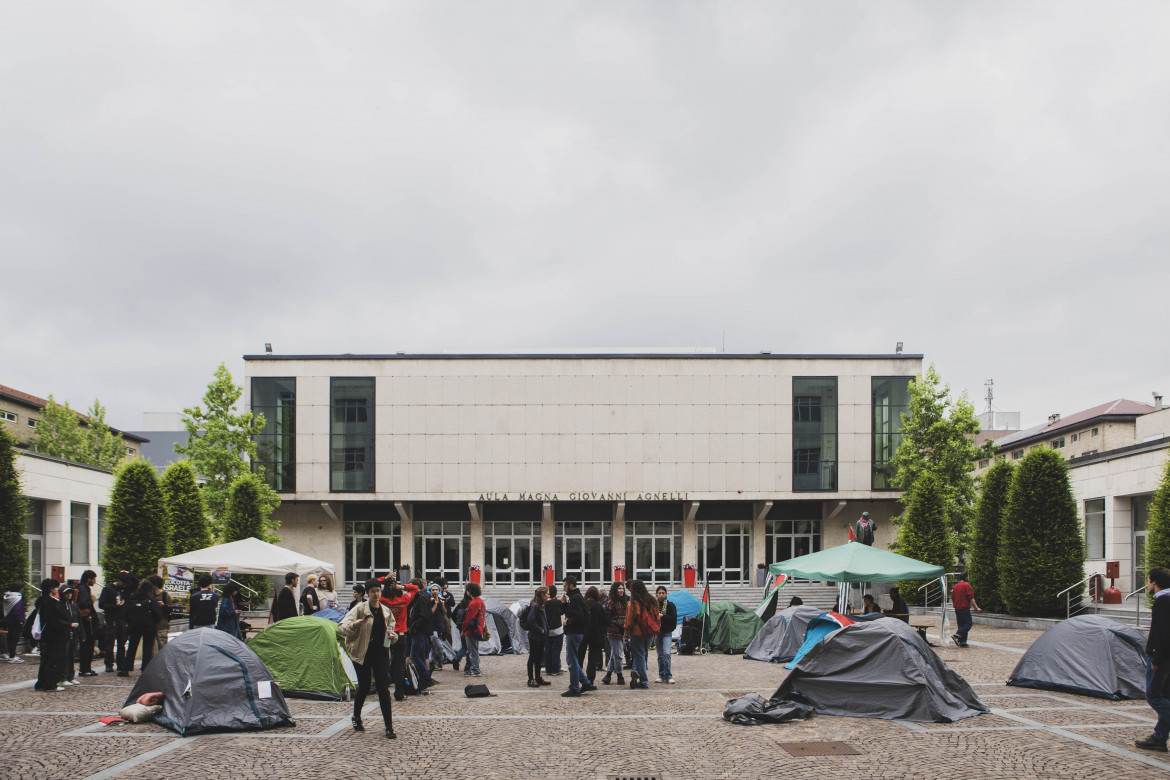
(16, 660)
(670, 681)
(72, 682)
(34, 651)
(59, 689)
(661, 679)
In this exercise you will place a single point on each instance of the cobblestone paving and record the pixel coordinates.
(675, 731)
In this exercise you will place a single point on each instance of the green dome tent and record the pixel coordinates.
(306, 658)
(731, 627)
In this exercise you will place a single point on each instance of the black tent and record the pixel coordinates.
(211, 681)
(879, 669)
(1089, 654)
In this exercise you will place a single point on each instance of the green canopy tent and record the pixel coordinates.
(306, 658)
(856, 562)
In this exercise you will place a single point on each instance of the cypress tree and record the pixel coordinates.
(1158, 543)
(1042, 547)
(13, 516)
(925, 533)
(138, 532)
(246, 515)
(989, 511)
(189, 527)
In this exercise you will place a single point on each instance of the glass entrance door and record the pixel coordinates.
(583, 550)
(724, 548)
(512, 552)
(442, 549)
(652, 551)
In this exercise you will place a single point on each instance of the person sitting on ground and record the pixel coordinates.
(14, 618)
(310, 602)
(868, 607)
(286, 602)
(899, 609)
(359, 595)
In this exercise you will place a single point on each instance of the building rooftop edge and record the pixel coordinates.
(589, 356)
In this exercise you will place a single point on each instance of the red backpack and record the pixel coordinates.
(649, 620)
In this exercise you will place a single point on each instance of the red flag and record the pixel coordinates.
(852, 537)
(707, 594)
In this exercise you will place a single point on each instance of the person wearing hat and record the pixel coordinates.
(55, 627)
(863, 529)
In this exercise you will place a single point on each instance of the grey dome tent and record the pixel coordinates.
(879, 669)
(1089, 654)
(783, 634)
(212, 681)
(507, 636)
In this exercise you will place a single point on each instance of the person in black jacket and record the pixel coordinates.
(554, 610)
(143, 612)
(85, 609)
(667, 622)
(576, 621)
(1158, 651)
(55, 627)
(204, 604)
(286, 602)
(73, 638)
(112, 603)
(420, 624)
(594, 640)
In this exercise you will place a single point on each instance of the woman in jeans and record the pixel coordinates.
(641, 612)
(615, 626)
(537, 631)
(474, 620)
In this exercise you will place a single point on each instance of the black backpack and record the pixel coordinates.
(525, 623)
(139, 612)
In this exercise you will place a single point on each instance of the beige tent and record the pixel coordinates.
(248, 556)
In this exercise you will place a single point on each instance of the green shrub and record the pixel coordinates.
(138, 531)
(189, 527)
(983, 565)
(925, 533)
(13, 516)
(1158, 543)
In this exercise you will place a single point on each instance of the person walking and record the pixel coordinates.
(55, 626)
(369, 633)
(576, 621)
(286, 602)
(641, 625)
(667, 622)
(537, 623)
(142, 615)
(1158, 653)
(615, 627)
(471, 628)
(963, 599)
(85, 609)
(555, 610)
(14, 618)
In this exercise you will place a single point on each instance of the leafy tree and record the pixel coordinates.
(248, 516)
(938, 436)
(984, 551)
(219, 444)
(13, 516)
(189, 528)
(1042, 547)
(923, 534)
(1158, 543)
(103, 448)
(58, 432)
(138, 531)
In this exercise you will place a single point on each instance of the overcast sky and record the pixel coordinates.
(987, 182)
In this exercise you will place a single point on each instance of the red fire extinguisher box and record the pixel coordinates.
(688, 578)
(474, 575)
(548, 577)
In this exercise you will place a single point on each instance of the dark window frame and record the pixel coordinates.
(343, 444)
(874, 433)
(836, 433)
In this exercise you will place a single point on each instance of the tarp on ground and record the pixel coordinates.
(685, 604)
(306, 657)
(248, 556)
(329, 613)
(507, 636)
(212, 681)
(1091, 655)
(856, 562)
(731, 627)
(782, 635)
(818, 628)
(880, 669)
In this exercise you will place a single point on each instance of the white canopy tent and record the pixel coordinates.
(248, 556)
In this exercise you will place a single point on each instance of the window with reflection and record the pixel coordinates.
(276, 444)
(814, 433)
(891, 400)
(371, 541)
(351, 434)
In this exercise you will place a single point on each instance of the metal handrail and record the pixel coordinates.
(1067, 593)
(1137, 613)
(1085, 581)
(1139, 590)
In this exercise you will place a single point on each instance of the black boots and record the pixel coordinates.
(1151, 743)
(605, 680)
(621, 680)
(357, 723)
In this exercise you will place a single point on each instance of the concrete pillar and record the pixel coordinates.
(548, 540)
(477, 536)
(406, 536)
(619, 534)
(690, 534)
(760, 511)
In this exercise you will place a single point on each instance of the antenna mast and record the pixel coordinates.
(990, 384)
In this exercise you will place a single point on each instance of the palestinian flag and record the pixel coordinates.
(706, 606)
(767, 607)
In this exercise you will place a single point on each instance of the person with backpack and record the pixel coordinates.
(369, 632)
(641, 625)
(142, 615)
(667, 622)
(615, 627)
(534, 620)
(594, 639)
(14, 619)
(421, 614)
(398, 597)
(472, 628)
(576, 620)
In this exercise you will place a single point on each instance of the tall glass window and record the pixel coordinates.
(442, 541)
(794, 529)
(371, 542)
(1095, 529)
(814, 433)
(78, 533)
(891, 400)
(276, 444)
(512, 544)
(584, 542)
(351, 434)
(101, 531)
(654, 542)
(1140, 508)
(34, 534)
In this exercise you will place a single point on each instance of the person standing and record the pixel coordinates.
(1158, 652)
(641, 625)
(863, 529)
(162, 630)
(228, 617)
(667, 622)
(369, 632)
(85, 609)
(204, 604)
(594, 640)
(14, 618)
(537, 623)
(422, 624)
(575, 620)
(963, 599)
(286, 602)
(112, 602)
(471, 628)
(359, 595)
(55, 627)
(554, 610)
(615, 626)
(310, 601)
(326, 595)
(142, 615)
(73, 637)
(397, 597)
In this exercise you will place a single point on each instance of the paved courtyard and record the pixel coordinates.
(668, 732)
